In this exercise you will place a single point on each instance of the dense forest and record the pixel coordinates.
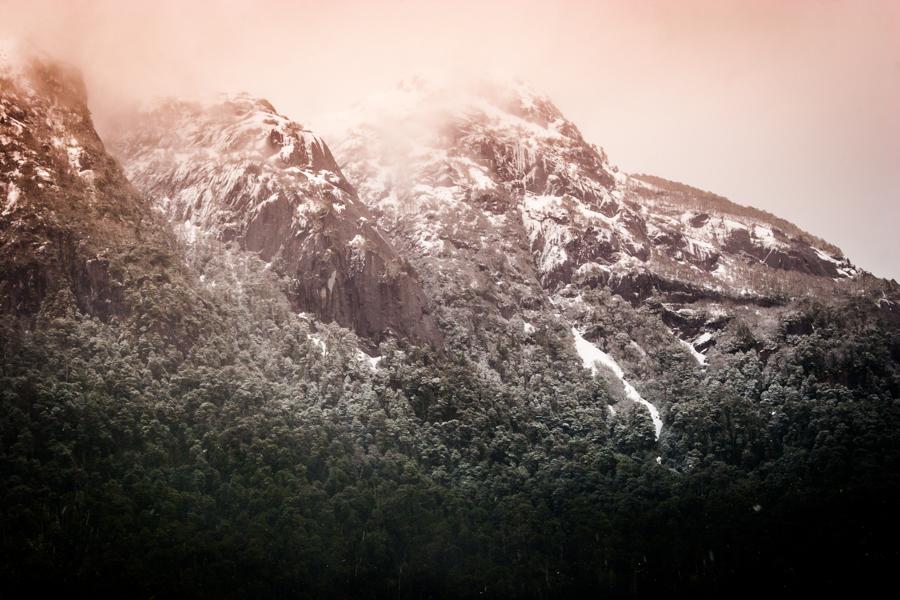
(216, 444)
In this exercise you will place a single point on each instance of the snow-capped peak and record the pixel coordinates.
(433, 103)
(434, 154)
(500, 138)
(236, 170)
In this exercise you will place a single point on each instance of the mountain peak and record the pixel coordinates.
(479, 134)
(235, 170)
(236, 123)
(452, 153)
(68, 213)
(437, 99)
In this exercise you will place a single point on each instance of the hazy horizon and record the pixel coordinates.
(789, 107)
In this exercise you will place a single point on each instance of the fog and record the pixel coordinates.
(790, 107)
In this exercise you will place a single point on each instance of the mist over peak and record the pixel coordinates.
(435, 343)
(700, 92)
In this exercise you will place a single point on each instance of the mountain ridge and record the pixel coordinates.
(625, 388)
(238, 171)
(534, 125)
(74, 231)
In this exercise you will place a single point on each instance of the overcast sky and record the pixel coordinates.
(793, 107)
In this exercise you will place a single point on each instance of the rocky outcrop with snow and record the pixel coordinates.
(236, 170)
(432, 160)
(594, 358)
(505, 209)
(479, 209)
(67, 212)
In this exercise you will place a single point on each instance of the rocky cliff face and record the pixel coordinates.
(497, 177)
(515, 222)
(71, 226)
(482, 218)
(238, 171)
(508, 154)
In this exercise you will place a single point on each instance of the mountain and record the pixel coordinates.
(73, 231)
(513, 218)
(463, 356)
(423, 155)
(237, 171)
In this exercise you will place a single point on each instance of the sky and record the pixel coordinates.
(789, 106)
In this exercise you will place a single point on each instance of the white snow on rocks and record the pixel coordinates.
(691, 347)
(222, 163)
(318, 342)
(703, 338)
(591, 355)
(189, 232)
(73, 153)
(12, 198)
(700, 358)
(372, 361)
(825, 256)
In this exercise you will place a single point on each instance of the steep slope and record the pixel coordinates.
(510, 154)
(445, 170)
(511, 214)
(565, 444)
(239, 172)
(451, 174)
(73, 232)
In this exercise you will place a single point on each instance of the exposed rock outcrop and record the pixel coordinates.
(458, 173)
(238, 171)
(71, 226)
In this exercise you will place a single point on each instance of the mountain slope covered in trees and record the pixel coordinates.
(208, 439)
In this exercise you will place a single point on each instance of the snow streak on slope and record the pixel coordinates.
(591, 355)
(372, 361)
(699, 357)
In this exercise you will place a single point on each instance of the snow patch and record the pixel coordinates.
(825, 256)
(372, 361)
(12, 198)
(73, 153)
(703, 338)
(318, 342)
(591, 355)
(357, 242)
(190, 232)
(700, 358)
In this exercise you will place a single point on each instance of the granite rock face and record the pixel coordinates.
(493, 178)
(71, 225)
(508, 213)
(237, 171)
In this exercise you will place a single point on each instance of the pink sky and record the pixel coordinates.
(793, 107)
